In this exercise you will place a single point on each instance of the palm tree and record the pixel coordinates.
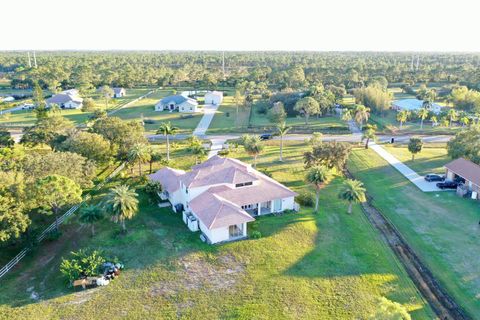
(196, 148)
(369, 134)
(91, 214)
(253, 146)
(122, 203)
(402, 116)
(282, 130)
(167, 130)
(465, 121)
(452, 116)
(352, 191)
(317, 176)
(139, 153)
(434, 121)
(422, 114)
(154, 157)
(346, 115)
(362, 113)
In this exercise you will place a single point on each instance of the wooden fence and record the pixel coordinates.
(12, 263)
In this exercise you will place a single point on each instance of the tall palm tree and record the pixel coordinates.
(369, 134)
(362, 114)
(253, 146)
(139, 153)
(122, 203)
(434, 121)
(91, 214)
(422, 114)
(352, 191)
(346, 115)
(196, 148)
(282, 131)
(402, 116)
(167, 129)
(452, 116)
(465, 121)
(317, 176)
(154, 157)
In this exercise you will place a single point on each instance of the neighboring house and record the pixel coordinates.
(220, 196)
(468, 173)
(177, 103)
(68, 99)
(119, 92)
(414, 105)
(214, 97)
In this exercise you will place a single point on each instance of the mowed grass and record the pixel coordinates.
(226, 118)
(325, 124)
(430, 160)
(441, 227)
(329, 265)
(388, 123)
(25, 118)
(146, 108)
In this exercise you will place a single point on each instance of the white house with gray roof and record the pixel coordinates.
(177, 103)
(68, 99)
(220, 196)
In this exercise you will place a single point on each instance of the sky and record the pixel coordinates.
(244, 25)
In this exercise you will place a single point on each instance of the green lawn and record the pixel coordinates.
(145, 108)
(329, 265)
(25, 118)
(389, 124)
(327, 124)
(430, 160)
(226, 119)
(441, 227)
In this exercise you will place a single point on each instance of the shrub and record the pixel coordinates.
(84, 262)
(256, 234)
(223, 152)
(152, 187)
(306, 199)
(262, 108)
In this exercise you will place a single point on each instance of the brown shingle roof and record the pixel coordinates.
(466, 169)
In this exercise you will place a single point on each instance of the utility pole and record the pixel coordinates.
(34, 59)
(29, 60)
(223, 64)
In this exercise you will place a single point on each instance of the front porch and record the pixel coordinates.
(261, 208)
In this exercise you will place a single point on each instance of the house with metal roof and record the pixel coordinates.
(467, 173)
(178, 103)
(220, 196)
(68, 99)
(414, 105)
(119, 92)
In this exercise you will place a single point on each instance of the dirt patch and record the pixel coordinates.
(195, 273)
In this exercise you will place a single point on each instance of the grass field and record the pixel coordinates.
(145, 108)
(324, 124)
(25, 118)
(441, 227)
(388, 123)
(226, 119)
(430, 160)
(329, 265)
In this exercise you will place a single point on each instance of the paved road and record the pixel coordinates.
(411, 175)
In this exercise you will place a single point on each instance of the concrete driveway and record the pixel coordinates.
(411, 175)
(208, 113)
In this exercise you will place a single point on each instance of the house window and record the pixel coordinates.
(239, 185)
(235, 230)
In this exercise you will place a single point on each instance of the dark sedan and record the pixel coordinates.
(434, 177)
(447, 185)
(266, 136)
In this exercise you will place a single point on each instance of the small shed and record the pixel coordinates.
(119, 92)
(214, 97)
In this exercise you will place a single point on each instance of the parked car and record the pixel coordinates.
(434, 177)
(266, 136)
(447, 185)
